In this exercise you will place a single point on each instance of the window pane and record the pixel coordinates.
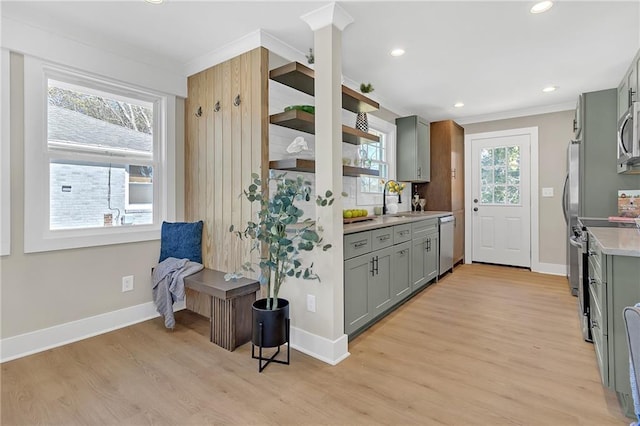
(486, 157)
(87, 119)
(499, 194)
(500, 175)
(500, 155)
(486, 195)
(487, 176)
(84, 195)
(513, 194)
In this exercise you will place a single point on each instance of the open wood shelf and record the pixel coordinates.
(305, 122)
(309, 166)
(300, 77)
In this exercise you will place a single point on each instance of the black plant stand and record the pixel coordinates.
(260, 358)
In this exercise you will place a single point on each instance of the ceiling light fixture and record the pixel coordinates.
(542, 6)
(549, 89)
(458, 104)
(154, 1)
(397, 52)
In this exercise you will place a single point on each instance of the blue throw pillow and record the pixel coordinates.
(182, 240)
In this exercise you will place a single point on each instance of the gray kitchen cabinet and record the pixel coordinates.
(413, 149)
(357, 312)
(400, 272)
(379, 267)
(380, 282)
(424, 253)
(613, 285)
(367, 288)
(628, 87)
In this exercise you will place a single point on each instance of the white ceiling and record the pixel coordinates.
(494, 56)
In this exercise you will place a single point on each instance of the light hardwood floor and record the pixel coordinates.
(485, 346)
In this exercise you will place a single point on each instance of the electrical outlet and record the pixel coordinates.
(547, 192)
(127, 283)
(311, 303)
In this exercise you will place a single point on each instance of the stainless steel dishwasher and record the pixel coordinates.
(446, 244)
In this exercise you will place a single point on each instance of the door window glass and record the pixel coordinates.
(500, 175)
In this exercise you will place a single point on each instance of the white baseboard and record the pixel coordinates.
(58, 335)
(329, 351)
(550, 268)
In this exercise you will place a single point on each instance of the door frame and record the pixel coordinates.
(532, 132)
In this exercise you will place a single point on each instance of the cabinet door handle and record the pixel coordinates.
(419, 171)
(402, 252)
(591, 253)
(403, 232)
(384, 237)
(359, 244)
(593, 281)
(377, 272)
(594, 324)
(372, 266)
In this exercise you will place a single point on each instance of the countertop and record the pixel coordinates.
(390, 220)
(618, 241)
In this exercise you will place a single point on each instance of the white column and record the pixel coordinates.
(321, 333)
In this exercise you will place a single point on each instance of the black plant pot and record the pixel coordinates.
(274, 330)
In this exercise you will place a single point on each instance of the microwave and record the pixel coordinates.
(629, 136)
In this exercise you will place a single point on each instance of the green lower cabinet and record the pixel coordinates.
(400, 272)
(367, 288)
(424, 260)
(614, 283)
(356, 293)
(381, 269)
(380, 282)
(623, 289)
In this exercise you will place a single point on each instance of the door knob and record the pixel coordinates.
(475, 209)
(475, 200)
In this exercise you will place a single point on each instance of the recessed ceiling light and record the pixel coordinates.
(397, 52)
(549, 89)
(154, 1)
(458, 104)
(542, 6)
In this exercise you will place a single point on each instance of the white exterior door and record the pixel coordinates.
(501, 192)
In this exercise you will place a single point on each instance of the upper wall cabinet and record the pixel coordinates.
(628, 88)
(413, 149)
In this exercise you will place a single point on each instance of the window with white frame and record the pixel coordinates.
(102, 144)
(377, 155)
(382, 156)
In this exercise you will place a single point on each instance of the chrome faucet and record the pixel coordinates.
(384, 195)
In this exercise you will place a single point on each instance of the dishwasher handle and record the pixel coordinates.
(446, 219)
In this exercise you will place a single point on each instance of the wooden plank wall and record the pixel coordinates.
(222, 149)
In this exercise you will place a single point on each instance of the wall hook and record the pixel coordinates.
(236, 101)
(216, 107)
(199, 112)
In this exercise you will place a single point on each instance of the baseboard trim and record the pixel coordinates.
(550, 268)
(47, 338)
(330, 351)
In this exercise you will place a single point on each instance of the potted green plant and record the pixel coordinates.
(362, 121)
(280, 235)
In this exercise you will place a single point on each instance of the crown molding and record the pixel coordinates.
(503, 115)
(331, 14)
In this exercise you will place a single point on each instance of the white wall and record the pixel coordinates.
(555, 130)
(43, 292)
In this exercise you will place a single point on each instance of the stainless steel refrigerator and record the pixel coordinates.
(592, 184)
(571, 210)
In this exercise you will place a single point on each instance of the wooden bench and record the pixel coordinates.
(229, 306)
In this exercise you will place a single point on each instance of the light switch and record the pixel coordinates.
(547, 192)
